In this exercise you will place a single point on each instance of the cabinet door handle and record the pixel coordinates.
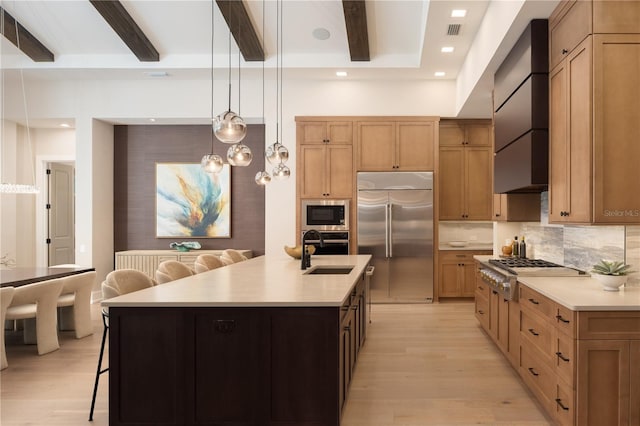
(494, 292)
(347, 328)
(559, 402)
(559, 318)
(481, 312)
(535, 302)
(532, 371)
(559, 354)
(532, 331)
(225, 326)
(565, 51)
(480, 288)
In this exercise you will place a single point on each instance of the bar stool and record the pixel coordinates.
(171, 270)
(207, 262)
(118, 282)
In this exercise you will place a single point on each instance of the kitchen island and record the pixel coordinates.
(258, 342)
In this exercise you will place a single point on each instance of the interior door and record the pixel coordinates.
(61, 219)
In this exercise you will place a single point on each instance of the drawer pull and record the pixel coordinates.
(532, 331)
(532, 371)
(559, 318)
(535, 302)
(559, 354)
(559, 402)
(480, 288)
(565, 51)
(481, 312)
(494, 292)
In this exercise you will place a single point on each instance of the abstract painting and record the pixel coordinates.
(192, 203)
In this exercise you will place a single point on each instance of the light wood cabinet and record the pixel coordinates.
(457, 273)
(465, 183)
(516, 207)
(396, 145)
(593, 130)
(328, 171)
(465, 132)
(323, 132)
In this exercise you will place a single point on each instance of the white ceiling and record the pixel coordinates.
(405, 37)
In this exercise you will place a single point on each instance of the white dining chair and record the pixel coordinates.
(36, 304)
(74, 304)
(6, 295)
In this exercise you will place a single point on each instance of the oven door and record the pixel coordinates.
(334, 243)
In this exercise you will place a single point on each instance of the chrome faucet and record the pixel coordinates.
(306, 257)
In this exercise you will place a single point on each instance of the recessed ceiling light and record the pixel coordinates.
(341, 73)
(153, 120)
(66, 125)
(447, 49)
(439, 73)
(458, 13)
(321, 34)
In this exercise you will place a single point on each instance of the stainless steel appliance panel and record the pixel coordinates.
(325, 215)
(395, 226)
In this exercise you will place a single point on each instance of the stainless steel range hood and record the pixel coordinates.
(521, 119)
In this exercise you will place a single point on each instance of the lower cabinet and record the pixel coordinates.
(584, 367)
(233, 366)
(457, 272)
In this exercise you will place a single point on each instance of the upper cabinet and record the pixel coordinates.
(325, 158)
(593, 113)
(323, 132)
(516, 207)
(465, 170)
(395, 145)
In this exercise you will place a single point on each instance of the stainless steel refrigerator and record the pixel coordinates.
(395, 226)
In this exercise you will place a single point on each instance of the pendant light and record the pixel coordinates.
(239, 154)
(230, 127)
(277, 153)
(17, 188)
(263, 177)
(212, 163)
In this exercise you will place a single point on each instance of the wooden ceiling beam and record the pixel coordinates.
(123, 24)
(355, 17)
(245, 35)
(29, 44)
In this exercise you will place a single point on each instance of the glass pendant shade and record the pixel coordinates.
(211, 163)
(277, 153)
(281, 172)
(229, 127)
(239, 155)
(263, 178)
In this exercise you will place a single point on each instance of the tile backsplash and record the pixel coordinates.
(582, 246)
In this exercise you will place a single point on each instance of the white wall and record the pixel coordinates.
(84, 101)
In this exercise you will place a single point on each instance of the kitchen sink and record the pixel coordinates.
(329, 270)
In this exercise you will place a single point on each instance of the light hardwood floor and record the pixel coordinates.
(421, 365)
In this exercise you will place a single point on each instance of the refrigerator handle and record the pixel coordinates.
(390, 226)
(386, 230)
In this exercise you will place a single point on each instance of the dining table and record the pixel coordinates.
(19, 276)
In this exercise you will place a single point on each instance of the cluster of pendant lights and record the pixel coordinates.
(230, 128)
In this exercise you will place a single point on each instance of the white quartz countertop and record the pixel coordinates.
(584, 293)
(581, 293)
(468, 246)
(261, 281)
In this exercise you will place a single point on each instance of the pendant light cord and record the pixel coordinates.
(229, 72)
(278, 70)
(212, 40)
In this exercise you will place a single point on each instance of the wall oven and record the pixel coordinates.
(325, 215)
(335, 242)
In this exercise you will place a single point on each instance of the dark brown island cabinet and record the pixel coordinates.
(285, 366)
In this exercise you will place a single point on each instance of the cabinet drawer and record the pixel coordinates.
(537, 374)
(564, 404)
(534, 301)
(568, 30)
(564, 360)
(453, 256)
(482, 310)
(609, 325)
(536, 331)
(565, 320)
(482, 289)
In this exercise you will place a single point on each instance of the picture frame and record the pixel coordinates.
(191, 203)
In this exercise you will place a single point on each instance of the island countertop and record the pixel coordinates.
(261, 281)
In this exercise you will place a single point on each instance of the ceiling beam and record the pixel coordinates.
(29, 44)
(245, 35)
(123, 24)
(355, 17)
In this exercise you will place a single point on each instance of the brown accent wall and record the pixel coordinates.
(137, 149)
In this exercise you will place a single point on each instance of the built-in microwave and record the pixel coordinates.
(325, 215)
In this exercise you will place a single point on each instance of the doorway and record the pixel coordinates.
(60, 210)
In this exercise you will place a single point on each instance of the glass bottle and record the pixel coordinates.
(516, 247)
(523, 248)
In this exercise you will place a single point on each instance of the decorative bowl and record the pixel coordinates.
(296, 252)
(610, 282)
